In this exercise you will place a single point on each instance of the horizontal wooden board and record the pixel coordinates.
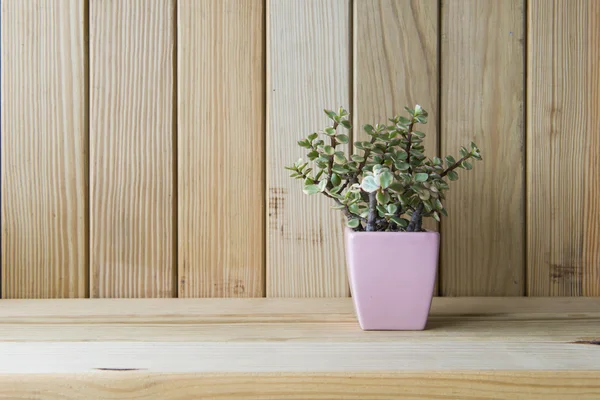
(294, 356)
(533, 320)
(488, 385)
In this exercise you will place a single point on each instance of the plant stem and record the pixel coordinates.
(414, 220)
(330, 164)
(371, 225)
(455, 165)
(409, 145)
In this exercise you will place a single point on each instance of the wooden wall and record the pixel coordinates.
(143, 141)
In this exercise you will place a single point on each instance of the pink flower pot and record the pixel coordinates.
(392, 275)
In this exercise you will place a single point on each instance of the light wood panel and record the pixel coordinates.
(484, 385)
(591, 233)
(131, 140)
(482, 92)
(489, 319)
(221, 111)
(44, 149)
(563, 239)
(308, 70)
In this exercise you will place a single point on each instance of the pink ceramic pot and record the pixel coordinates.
(392, 275)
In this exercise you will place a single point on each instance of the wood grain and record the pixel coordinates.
(221, 107)
(464, 320)
(482, 92)
(308, 70)
(484, 385)
(131, 145)
(591, 233)
(44, 149)
(297, 348)
(563, 120)
(294, 357)
(396, 65)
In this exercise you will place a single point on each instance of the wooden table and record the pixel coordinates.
(473, 348)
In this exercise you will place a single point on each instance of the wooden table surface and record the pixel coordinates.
(473, 348)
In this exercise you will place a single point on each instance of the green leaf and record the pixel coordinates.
(311, 189)
(322, 185)
(437, 161)
(401, 222)
(383, 198)
(305, 143)
(419, 134)
(346, 124)
(421, 177)
(463, 152)
(401, 155)
(331, 114)
(313, 136)
(392, 208)
(424, 195)
(444, 212)
(396, 187)
(404, 120)
(386, 179)
(416, 153)
(418, 110)
(450, 161)
(329, 131)
(357, 158)
(335, 179)
(467, 165)
(410, 110)
(313, 155)
(421, 119)
(369, 129)
(328, 150)
(436, 216)
(359, 145)
(342, 139)
(438, 204)
(427, 205)
(335, 189)
(339, 169)
(369, 184)
(452, 175)
(340, 159)
(353, 223)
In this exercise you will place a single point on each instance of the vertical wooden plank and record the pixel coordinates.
(482, 92)
(131, 140)
(396, 65)
(44, 149)
(308, 70)
(563, 183)
(591, 233)
(221, 110)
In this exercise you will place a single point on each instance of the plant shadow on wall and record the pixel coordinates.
(385, 190)
(391, 185)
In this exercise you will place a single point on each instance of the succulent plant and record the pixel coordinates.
(388, 185)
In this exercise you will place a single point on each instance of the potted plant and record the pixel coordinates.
(385, 189)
